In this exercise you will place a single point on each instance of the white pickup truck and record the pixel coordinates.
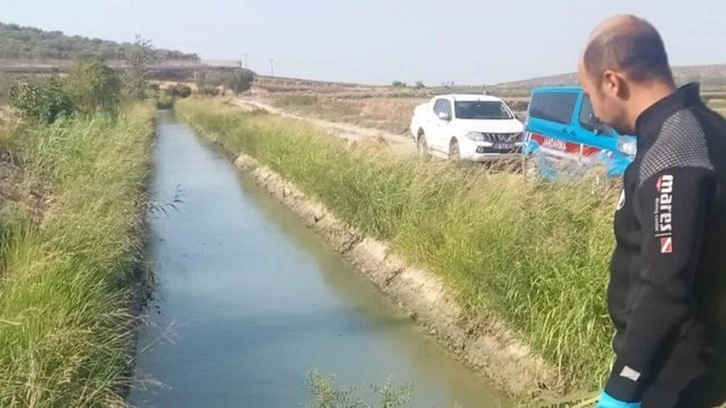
(467, 127)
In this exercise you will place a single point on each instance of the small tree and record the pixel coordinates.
(44, 101)
(94, 86)
(398, 84)
(207, 83)
(420, 85)
(139, 57)
(239, 80)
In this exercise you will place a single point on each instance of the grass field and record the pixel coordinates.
(392, 111)
(504, 245)
(70, 236)
(718, 105)
(385, 112)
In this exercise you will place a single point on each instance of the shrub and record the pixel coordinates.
(165, 101)
(239, 80)
(181, 91)
(94, 86)
(42, 102)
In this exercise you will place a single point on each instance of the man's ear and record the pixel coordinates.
(615, 85)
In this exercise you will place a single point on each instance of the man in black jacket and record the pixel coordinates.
(668, 269)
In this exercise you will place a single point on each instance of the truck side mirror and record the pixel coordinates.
(444, 116)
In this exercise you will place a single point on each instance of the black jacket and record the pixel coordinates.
(670, 257)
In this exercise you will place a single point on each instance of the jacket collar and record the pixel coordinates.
(650, 120)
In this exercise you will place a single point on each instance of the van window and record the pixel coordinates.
(553, 106)
(585, 117)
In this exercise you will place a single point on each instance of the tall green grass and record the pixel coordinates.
(68, 246)
(534, 254)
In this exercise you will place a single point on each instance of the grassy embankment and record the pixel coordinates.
(535, 255)
(70, 236)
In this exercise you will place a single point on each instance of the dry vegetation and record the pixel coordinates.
(386, 113)
(718, 104)
(390, 111)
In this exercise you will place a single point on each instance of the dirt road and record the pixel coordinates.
(400, 143)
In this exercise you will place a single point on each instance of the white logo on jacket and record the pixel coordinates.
(664, 213)
(621, 201)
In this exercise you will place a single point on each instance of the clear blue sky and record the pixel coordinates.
(378, 41)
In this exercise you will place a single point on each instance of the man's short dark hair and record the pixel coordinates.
(634, 47)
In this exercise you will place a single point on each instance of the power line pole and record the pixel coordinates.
(247, 65)
(272, 67)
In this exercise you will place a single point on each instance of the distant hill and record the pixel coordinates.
(30, 43)
(712, 76)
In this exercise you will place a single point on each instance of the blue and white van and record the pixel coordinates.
(563, 135)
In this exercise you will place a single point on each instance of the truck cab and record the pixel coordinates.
(563, 135)
(472, 127)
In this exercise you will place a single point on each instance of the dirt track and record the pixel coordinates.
(400, 143)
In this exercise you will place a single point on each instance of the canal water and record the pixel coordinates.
(248, 301)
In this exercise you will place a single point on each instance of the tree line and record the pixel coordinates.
(91, 87)
(18, 42)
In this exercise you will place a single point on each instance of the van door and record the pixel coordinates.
(594, 138)
(552, 124)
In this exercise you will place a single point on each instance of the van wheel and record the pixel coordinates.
(530, 167)
(454, 152)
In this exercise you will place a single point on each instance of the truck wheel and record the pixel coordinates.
(421, 146)
(454, 152)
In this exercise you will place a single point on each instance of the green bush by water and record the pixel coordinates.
(68, 246)
(534, 254)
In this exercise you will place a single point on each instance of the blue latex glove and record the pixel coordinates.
(606, 401)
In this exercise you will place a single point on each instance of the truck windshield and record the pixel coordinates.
(482, 110)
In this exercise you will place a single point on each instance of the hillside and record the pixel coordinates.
(709, 75)
(18, 42)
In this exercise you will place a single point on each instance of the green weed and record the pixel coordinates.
(68, 260)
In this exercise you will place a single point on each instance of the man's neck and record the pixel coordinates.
(646, 95)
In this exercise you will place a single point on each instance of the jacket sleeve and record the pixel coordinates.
(672, 206)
